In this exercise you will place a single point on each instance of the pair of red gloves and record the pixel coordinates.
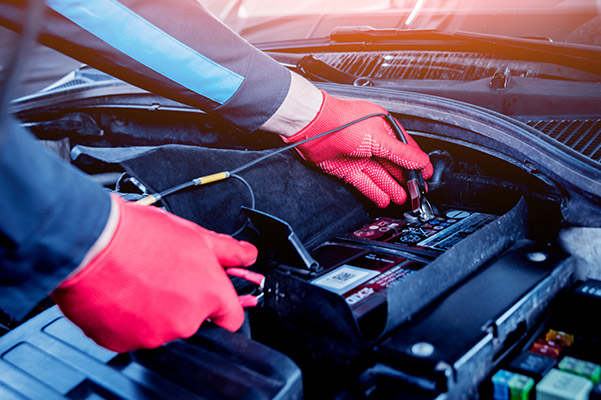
(161, 276)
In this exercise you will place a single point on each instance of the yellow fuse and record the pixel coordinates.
(561, 338)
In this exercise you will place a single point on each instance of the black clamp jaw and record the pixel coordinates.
(416, 187)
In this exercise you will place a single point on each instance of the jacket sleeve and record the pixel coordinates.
(51, 215)
(176, 49)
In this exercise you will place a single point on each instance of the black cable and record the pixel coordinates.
(198, 181)
(176, 189)
(153, 198)
(252, 203)
(291, 146)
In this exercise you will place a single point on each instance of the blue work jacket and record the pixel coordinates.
(51, 214)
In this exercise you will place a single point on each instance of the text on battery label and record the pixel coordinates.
(360, 295)
(446, 237)
(374, 257)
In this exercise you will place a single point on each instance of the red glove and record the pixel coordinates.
(157, 280)
(365, 154)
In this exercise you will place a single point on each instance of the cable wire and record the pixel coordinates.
(203, 180)
(252, 204)
(291, 146)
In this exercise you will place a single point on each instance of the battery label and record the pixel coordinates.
(431, 237)
(370, 274)
(446, 238)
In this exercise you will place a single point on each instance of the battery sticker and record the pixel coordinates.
(431, 237)
(367, 275)
(344, 278)
(385, 280)
(381, 230)
(446, 238)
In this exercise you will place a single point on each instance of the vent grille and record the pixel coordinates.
(425, 65)
(581, 135)
(68, 84)
(82, 76)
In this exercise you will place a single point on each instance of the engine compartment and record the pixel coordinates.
(358, 348)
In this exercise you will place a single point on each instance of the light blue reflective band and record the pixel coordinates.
(137, 38)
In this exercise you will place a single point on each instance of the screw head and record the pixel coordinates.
(422, 349)
(537, 256)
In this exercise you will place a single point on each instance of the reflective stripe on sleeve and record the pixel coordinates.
(132, 35)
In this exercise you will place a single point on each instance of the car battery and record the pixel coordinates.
(338, 300)
(50, 358)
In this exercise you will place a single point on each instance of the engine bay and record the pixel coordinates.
(484, 284)
(360, 302)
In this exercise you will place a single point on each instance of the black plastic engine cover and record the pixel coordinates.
(50, 358)
(450, 345)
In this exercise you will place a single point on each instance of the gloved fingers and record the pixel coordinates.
(371, 179)
(144, 289)
(230, 315)
(394, 170)
(250, 276)
(229, 251)
(219, 302)
(248, 300)
(381, 177)
(254, 277)
(397, 172)
(370, 190)
(404, 155)
(428, 171)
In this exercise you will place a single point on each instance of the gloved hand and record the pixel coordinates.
(157, 280)
(367, 154)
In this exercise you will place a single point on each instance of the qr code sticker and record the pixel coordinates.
(344, 278)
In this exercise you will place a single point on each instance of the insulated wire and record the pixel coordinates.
(291, 146)
(203, 180)
(252, 203)
(219, 176)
